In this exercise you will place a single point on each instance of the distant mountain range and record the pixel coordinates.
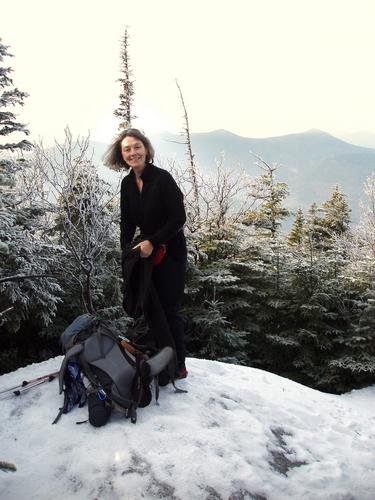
(311, 163)
(365, 139)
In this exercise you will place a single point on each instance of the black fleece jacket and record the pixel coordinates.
(158, 211)
(141, 298)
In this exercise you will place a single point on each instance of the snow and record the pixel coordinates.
(239, 433)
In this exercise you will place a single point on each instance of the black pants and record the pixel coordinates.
(169, 281)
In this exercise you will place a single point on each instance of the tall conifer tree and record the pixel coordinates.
(296, 235)
(336, 211)
(124, 110)
(26, 288)
(9, 98)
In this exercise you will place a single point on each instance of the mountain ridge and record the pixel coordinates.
(310, 162)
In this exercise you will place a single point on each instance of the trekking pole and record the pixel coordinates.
(24, 386)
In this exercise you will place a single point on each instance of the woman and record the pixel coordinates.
(152, 202)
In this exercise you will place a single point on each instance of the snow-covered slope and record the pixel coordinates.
(239, 433)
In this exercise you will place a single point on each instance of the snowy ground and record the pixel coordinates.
(239, 433)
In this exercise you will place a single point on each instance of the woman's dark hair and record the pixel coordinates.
(113, 156)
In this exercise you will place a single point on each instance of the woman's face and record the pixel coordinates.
(133, 153)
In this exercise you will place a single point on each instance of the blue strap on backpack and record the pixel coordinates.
(74, 390)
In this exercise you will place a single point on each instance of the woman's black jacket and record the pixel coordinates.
(158, 210)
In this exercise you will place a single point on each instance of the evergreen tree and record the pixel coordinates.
(366, 229)
(315, 233)
(216, 306)
(124, 111)
(353, 364)
(10, 96)
(271, 194)
(293, 306)
(336, 212)
(296, 235)
(28, 290)
(215, 336)
(325, 223)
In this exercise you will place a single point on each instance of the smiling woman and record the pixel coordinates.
(152, 202)
(134, 154)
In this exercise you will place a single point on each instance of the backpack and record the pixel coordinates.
(119, 372)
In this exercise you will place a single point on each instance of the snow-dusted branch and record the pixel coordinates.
(82, 206)
(21, 277)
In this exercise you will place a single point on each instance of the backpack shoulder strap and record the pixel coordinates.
(73, 351)
(74, 389)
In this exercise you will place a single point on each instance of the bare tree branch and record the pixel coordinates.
(82, 205)
(21, 277)
(192, 167)
(8, 309)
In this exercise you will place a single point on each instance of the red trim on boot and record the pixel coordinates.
(182, 372)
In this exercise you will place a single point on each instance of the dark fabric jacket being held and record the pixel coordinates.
(141, 298)
(158, 210)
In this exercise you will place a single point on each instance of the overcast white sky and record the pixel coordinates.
(255, 67)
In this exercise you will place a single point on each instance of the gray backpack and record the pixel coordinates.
(118, 372)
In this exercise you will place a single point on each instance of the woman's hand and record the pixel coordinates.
(146, 248)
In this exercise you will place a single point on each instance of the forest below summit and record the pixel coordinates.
(300, 304)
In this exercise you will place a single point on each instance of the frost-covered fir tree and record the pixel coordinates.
(27, 289)
(336, 218)
(269, 212)
(354, 362)
(296, 235)
(212, 300)
(244, 263)
(315, 233)
(328, 221)
(321, 302)
(360, 243)
(10, 98)
(366, 230)
(218, 337)
(124, 111)
(211, 284)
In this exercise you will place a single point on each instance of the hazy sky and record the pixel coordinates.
(255, 67)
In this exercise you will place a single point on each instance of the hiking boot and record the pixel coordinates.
(182, 372)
